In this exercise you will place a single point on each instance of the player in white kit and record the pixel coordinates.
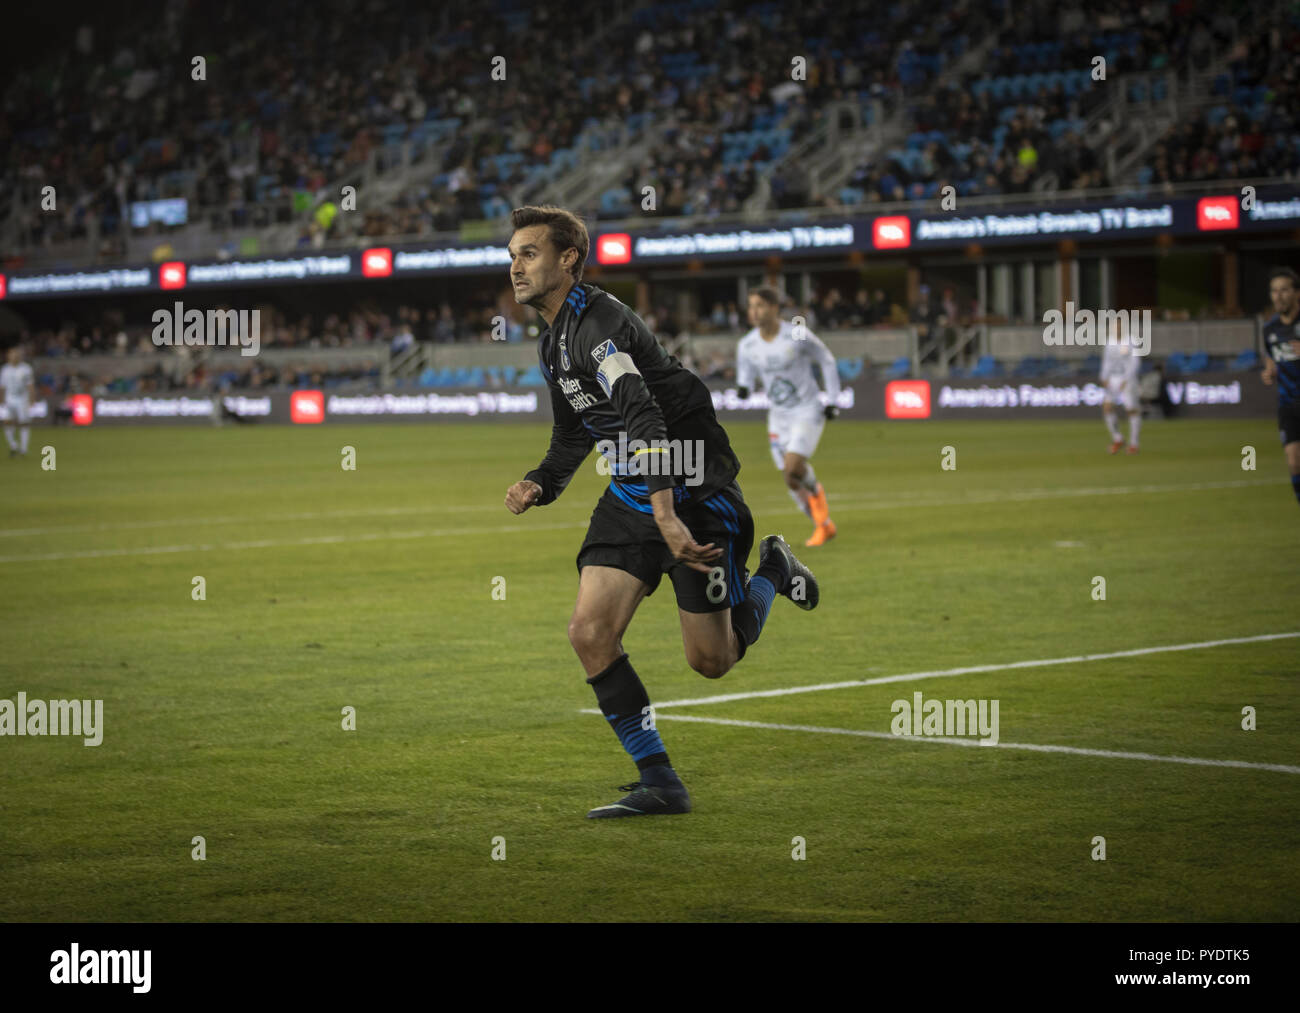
(782, 357)
(1119, 375)
(19, 386)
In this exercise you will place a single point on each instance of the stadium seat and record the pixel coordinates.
(849, 369)
(899, 367)
(1248, 359)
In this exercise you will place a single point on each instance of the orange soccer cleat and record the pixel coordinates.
(823, 534)
(1132, 449)
(1114, 447)
(817, 502)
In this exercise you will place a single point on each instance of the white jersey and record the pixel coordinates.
(784, 364)
(15, 380)
(1118, 363)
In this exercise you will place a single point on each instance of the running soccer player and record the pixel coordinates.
(20, 390)
(611, 381)
(1119, 376)
(782, 357)
(1282, 342)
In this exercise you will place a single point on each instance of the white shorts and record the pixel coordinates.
(18, 411)
(1124, 391)
(795, 432)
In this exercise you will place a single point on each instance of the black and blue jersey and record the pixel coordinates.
(1277, 343)
(611, 380)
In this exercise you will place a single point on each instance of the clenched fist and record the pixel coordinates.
(522, 495)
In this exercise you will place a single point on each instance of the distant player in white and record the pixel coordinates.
(1119, 375)
(20, 388)
(782, 357)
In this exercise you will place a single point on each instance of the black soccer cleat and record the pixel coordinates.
(645, 800)
(803, 593)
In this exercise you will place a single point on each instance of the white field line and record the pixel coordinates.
(841, 505)
(940, 673)
(867, 502)
(1109, 754)
(269, 543)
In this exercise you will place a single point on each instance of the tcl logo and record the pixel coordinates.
(891, 233)
(1217, 213)
(83, 409)
(377, 263)
(614, 248)
(907, 399)
(307, 407)
(171, 274)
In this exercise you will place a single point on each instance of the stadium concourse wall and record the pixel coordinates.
(1209, 395)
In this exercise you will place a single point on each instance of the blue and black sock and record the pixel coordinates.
(1295, 484)
(748, 617)
(623, 701)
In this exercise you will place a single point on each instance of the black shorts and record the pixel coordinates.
(628, 539)
(1288, 422)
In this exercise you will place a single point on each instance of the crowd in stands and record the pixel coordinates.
(292, 102)
(1017, 123)
(295, 96)
(1254, 132)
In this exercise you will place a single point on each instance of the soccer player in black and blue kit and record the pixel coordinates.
(1282, 346)
(611, 380)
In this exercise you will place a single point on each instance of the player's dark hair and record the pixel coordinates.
(564, 227)
(1284, 272)
(768, 294)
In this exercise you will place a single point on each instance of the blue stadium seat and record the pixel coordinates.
(849, 369)
(899, 367)
(1248, 359)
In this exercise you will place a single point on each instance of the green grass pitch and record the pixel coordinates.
(373, 589)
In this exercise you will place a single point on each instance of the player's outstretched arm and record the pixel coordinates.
(744, 374)
(570, 445)
(1270, 370)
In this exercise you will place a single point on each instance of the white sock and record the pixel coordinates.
(9, 435)
(1134, 424)
(801, 500)
(809, 479)
(23, 435)
(1111, 425)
